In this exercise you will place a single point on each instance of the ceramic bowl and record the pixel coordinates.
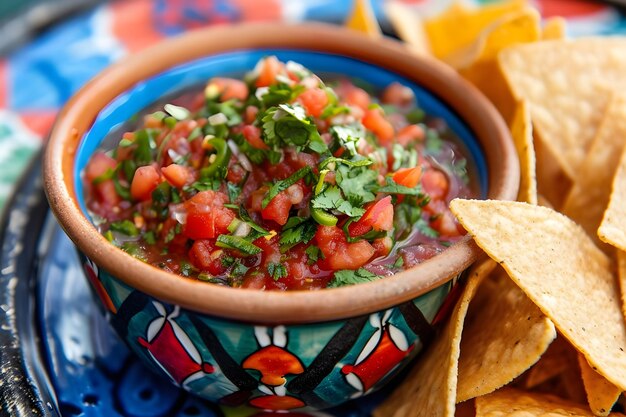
(269, 350)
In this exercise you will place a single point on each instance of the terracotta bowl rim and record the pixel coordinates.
(269, 306)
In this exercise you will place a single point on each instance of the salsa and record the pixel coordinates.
(280, 181)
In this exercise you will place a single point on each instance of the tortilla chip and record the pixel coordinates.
(408, 26)
(554, 28)
(522, 132)
(560, 269)
(601, 394)
(621, 275)
(473, 21)
(504, 336)
(516, 403)
(567, 84)
(552, 182)
(612, 229)
(363, 19)
(432, 385)
(589, 196)
(517, 27)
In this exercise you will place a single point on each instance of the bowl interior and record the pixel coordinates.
(195, 73)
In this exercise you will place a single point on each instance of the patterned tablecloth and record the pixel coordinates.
(39, 77)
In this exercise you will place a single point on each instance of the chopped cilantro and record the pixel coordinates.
(394, 188)
(149, 238)
(280, 93)
(243, 213)
(146, 149)
(347, 136)
(349, 277)
(233, 191)
(186, 268)
(422, 226)
(206, 184)
(276, 270)
(282, 185)
(358, 184)
(287, 125)
(296, 230)
(314, 253)
(331, 199)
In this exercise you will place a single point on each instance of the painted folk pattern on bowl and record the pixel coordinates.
(284, 367)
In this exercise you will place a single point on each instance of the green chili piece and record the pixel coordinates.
(323, 217)
(237, 243)
(220, 165)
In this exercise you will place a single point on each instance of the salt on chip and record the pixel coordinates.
(567, 84)
(472, 21)
(554, 28)
(504, 335)
(612, 229)
(601, 394)
(515, 403)
(559, 268)
(432, 386)
(522, 133)
(587, 199)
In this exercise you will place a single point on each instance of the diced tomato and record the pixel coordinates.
(145, 180)
(382, 246)
(206, 257)
(409, 134)
(230, 88)
(378, 216)
(252, 134)
(278, 208)
(338, 253)
(375, 120)
(270, 68)
(435, 184)
(250, 114)
(107, 194)
(179, 175)
(447, 225)
(99, 164)
(207, 218)
(353, 95)
(314, 101)
(398, 95)
(408, 177)
(235, 173)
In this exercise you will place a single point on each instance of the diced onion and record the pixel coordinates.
(218, 119)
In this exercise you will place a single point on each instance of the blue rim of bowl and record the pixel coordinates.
(182, 77)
